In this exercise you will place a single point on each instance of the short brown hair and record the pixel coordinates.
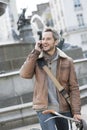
(54, 32)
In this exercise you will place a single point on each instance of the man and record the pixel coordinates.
(46, 96)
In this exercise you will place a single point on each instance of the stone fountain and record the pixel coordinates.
(3, 5)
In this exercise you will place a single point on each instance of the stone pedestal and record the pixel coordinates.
(12, 56)
(75, 53)
(26, 35)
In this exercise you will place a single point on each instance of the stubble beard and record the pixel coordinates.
(49, 50)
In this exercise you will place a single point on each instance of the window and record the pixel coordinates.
(77, 3)
(80, 19)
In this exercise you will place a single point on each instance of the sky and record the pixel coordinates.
(29, 4)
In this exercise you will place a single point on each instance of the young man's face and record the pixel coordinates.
(48, 42)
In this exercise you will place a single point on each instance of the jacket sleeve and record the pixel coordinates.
(27, 69)
(74, 91)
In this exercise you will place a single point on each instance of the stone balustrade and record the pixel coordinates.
(23, 114)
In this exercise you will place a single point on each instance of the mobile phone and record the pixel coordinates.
(41, 46)
(40, 34)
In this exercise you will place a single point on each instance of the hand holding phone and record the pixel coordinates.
(38, 46)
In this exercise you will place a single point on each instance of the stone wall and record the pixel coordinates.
(75, 53)
(12, 56)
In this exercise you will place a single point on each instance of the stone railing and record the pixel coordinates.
(23, 114)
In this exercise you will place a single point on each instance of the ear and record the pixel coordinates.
(56, 42)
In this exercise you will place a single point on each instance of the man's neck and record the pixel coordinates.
(50, 57)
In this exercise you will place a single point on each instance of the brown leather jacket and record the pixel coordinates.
(65, 74)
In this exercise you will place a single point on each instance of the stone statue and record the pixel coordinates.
(22, 20)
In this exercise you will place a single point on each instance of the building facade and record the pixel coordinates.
(70, 17)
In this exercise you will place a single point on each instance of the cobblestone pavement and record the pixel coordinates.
(37, 126)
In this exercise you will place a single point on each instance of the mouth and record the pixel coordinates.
(45, 46)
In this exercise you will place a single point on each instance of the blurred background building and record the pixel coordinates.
(70, 17)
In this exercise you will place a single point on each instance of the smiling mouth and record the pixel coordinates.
(45, 46)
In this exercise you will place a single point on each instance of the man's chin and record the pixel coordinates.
(46, 50)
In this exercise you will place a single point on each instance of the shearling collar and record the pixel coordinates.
(60, 53)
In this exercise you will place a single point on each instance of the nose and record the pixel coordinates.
(44, 41)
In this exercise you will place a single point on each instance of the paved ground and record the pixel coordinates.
(30, 127)
(37, 126)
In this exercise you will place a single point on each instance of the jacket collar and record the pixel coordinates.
(60, 53)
